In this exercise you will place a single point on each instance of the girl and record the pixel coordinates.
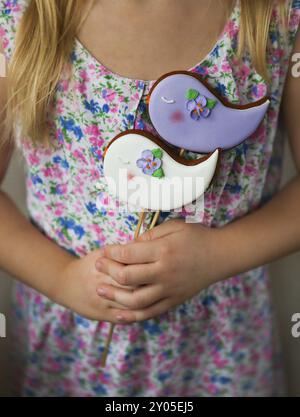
(190, 320)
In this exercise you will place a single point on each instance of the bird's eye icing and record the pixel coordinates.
(168, 101)
(123, 161)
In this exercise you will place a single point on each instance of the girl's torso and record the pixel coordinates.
(219, 342)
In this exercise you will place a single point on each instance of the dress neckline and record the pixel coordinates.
(83, 49)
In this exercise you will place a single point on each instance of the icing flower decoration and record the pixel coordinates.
(151, 163)
(198, 105)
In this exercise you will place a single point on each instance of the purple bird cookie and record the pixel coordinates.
(189, 114)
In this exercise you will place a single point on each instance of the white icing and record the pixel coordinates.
(168, 101)
(181, 185)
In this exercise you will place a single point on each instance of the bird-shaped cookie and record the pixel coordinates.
(145, 173)
(187, 113)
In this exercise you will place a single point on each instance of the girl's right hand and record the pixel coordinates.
(77, 290)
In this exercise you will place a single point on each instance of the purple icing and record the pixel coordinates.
(198, 107)
(225, 127)
(148, 163)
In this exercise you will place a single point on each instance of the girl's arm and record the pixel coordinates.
(23, 250)
(274, 230)
(41, 264)
(38, 262)
(175, 261)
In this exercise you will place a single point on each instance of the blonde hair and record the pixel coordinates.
(45, 40)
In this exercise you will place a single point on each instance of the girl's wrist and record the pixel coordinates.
(222, 254)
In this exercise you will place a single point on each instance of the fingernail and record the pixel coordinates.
(101, 291)
(120, 317)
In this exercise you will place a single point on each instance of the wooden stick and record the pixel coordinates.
(181, 153)
(107, 344)
(154, 220)
(112, 326)
(139, 225)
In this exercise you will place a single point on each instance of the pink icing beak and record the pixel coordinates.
(130, 176)
(177, 116)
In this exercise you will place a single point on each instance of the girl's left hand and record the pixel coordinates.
(163, 268)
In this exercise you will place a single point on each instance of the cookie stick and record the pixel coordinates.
(112, 325)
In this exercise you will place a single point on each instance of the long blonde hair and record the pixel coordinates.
(45, 40)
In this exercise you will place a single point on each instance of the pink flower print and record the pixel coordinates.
(226, 67)
(81, 250)
(58, 212)
(133, 335)
(96, 142)
(33, 159)
(62, 189)
(250, 170)
(92, 130)
(40, 196)
(93, 377)
(84, 75)
(212, 389)
(47, 172)
(64, 84)
(121, 234)
(244, 72)
(109, 95)
(79, 155)
(95, 174)
(62, 345)
(124, 368)
(214, 69)
(58, 174)
(219, 362)
(80, 87)
(294, 19)
(232, 29)
(59, 107)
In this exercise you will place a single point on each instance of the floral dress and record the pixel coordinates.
(219, 343)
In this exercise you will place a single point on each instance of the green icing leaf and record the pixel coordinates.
(192, 94)
(211, 103)
(159, 173)
(157, 153)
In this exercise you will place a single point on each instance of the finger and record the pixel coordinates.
(113, 282)
(140, 298)
(114, 315)
(162, 230)
(132, 316)
(114, 304)
(129, 275)
(132, 253)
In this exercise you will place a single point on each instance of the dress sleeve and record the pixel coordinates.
(10, 14)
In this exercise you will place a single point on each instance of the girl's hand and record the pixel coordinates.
(77, 290)
(167, 266)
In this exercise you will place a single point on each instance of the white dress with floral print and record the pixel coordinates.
(220, 342)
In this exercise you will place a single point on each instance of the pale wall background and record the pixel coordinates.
(286, 289)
